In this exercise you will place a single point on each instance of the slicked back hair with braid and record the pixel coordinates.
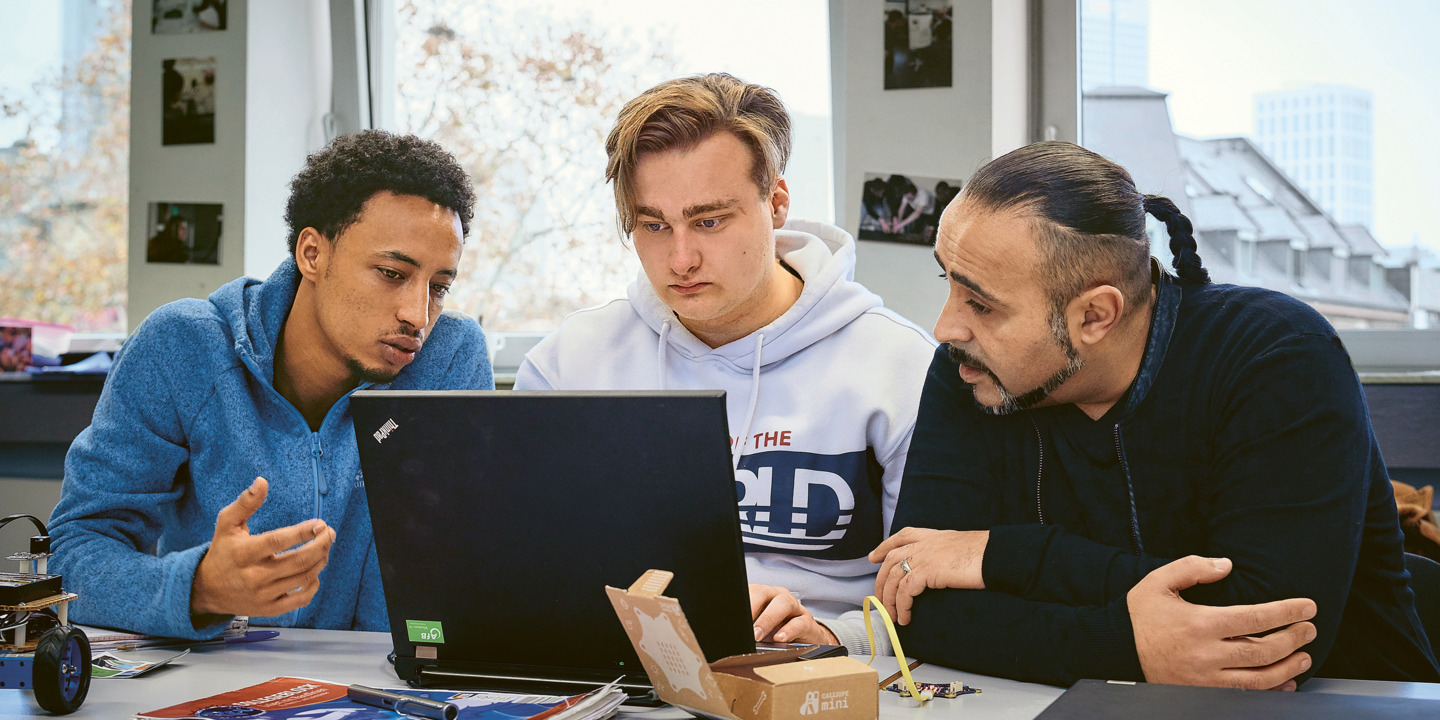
(1089, 220)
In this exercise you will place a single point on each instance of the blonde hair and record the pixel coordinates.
(682, 113)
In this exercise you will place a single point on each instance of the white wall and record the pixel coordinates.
(1010, 75)
(271, 88)
(927, 132)
(185, 173)
(288, 53)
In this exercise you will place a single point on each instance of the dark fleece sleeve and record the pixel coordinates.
(1288, 494)
(1047, 563)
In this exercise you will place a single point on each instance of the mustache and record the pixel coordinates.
(960, 357)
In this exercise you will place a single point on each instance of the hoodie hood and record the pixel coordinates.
(255, 313)
(824, 257)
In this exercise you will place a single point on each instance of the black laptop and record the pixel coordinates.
(500, 517)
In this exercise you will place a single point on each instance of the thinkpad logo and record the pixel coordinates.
(385, 430)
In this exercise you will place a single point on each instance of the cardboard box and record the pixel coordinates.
(760, 686)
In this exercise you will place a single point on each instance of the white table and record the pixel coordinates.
(356, 657)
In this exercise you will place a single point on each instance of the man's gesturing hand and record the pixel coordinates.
(1242, 646)
(780, 616)
(244, 574)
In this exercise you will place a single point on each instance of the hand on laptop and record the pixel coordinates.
(1184, 644)
(780, 617)
(265, 574)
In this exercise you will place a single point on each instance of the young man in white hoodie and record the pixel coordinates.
(822, 382)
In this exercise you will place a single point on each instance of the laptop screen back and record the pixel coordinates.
(503, 516)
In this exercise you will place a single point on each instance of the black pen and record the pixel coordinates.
(424, 707)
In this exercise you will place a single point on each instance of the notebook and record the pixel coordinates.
(500, 517)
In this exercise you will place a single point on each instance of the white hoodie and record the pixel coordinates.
(821, 404)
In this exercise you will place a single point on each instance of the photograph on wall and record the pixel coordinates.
(918, 51)
(188, 94)
(178, 17)
(904, 209)
(184, 233)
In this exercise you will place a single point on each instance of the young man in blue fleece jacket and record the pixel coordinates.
(1092, 417)
(165, 525)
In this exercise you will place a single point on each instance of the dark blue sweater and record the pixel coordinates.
(1244, 435)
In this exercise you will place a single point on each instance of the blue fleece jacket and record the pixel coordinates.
(188, 418)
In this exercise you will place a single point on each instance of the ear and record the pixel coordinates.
(780, 203)
(312, 253)
(1099, 309)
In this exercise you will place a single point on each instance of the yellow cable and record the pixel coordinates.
(894, 643)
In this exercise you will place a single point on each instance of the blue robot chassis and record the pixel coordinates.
(39, 650)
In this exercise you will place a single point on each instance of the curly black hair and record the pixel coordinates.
(337, 181)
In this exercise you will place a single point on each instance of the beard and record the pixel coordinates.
(1011, 402)
(370, 375)
(379, 376)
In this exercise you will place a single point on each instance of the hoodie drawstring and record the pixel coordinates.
(754, 386)
(660, 353)
(754, 400)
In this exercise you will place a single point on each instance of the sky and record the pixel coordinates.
(29, 45)
(1215, 55)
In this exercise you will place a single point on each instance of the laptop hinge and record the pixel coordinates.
(638, 690)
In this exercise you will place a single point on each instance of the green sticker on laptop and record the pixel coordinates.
(425, 631)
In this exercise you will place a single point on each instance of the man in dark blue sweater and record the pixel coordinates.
(1091, 418)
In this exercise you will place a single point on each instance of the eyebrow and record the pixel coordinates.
(402, 257)
(967, 282)
(690, 211)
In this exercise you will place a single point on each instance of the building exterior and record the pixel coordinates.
(1115, 43)
(1322, 136)
(1415, 271)
(1254, 225)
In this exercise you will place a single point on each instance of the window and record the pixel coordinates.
(1332, 131)
(1245, 256)
(64, 162)
(525, 94)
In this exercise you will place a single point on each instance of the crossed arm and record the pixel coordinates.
(1038, 603)
(1249, 646)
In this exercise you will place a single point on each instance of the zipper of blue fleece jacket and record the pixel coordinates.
(321, 487)
(316, 450)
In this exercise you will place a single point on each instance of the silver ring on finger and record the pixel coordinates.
(905, 566)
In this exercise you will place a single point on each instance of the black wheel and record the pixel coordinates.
(62, 670)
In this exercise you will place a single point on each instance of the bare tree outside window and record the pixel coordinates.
(525, 99)
(64, 181)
